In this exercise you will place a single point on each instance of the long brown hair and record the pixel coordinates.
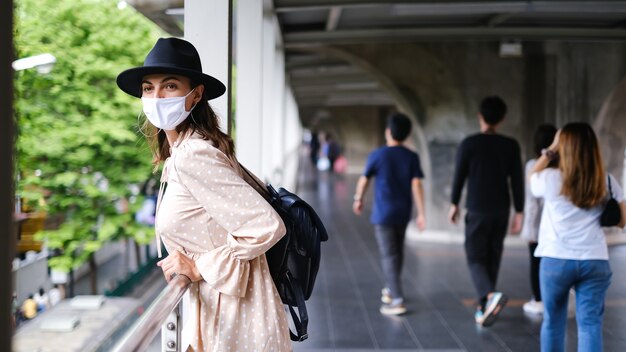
(581, 165)
(202, 120)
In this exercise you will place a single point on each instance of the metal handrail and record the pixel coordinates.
(143, 331)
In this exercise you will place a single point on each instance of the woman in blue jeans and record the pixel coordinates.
(571, 241)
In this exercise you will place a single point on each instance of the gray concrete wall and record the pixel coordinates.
(357, 129)
(441, 84)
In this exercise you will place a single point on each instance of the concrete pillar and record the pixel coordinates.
(207, 26)
(293, 137)
(7, 234)
(268, 124)
(249, 104)
(278, 142)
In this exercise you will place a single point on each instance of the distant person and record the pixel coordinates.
(29, 307)
(215, 226)
(146, 214)
(398, 180)
(488, 161)
(330, 150)
(41, 297)
(572, 245)
(533, 207)
(55, 295)
(314, 148)
(15, 310)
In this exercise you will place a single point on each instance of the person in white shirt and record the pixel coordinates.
(571, 240)
(55, 295)
(533, 206)
(41, 297)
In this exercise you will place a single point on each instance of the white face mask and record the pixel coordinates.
(166, 113)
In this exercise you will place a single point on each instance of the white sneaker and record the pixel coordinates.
(533, 307)
(393, 309)
(385, 295)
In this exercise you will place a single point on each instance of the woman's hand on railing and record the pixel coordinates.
(178, 263)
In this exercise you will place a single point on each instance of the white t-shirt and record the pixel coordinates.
(533, 206)
(55, 296)
(567, 231)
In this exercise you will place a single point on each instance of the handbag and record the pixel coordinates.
(612, 213)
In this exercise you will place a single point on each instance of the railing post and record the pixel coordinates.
(165, 308)
(171, 330)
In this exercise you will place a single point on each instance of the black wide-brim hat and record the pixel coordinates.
(170, 55)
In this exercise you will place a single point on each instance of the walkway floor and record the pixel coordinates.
(344, 313)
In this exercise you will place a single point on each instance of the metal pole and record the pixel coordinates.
(171, 330)
(7, 227)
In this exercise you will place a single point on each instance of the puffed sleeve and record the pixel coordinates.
(252, 224)
(538, 184)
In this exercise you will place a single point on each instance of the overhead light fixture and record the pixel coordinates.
(510, 49)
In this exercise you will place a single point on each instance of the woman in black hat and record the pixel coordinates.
(215, 226)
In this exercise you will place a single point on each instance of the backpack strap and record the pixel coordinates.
(255, 183)
(302, 322)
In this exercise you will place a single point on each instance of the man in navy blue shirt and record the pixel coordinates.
(491, 164)
(397, 174)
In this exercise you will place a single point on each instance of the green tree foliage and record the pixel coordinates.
(78, 150)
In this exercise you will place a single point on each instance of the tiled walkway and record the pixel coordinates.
(344, 308)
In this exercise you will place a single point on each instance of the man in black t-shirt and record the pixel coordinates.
(489, 162)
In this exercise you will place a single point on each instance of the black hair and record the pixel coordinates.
(544, 135)
(399, 125)
(493, 109)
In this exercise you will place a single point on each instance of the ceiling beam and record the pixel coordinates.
(311, 62)
(319, 88)
(157, 12)
(322, 38)
(324, 75)
(356, 100)
(500, 18)
(447, 7)
(299, 5)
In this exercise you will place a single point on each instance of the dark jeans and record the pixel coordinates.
(390, 240)
(484, 242)
(534, 272)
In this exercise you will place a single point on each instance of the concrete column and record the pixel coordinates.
(249, 104)
(269, 98)
(7, 233)
(278, 142)
(207, 26)
(293, 137)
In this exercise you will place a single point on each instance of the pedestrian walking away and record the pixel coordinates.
(398, 180)
(533, 207)
(214, 225)
(572, 245)
(489, 162)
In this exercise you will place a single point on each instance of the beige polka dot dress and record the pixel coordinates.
(209, 213)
